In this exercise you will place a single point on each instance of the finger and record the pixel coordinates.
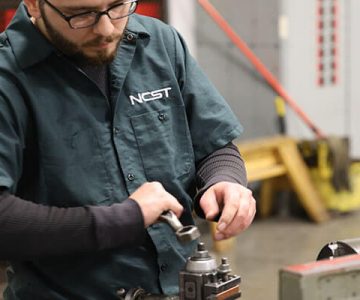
(243, 218)
(169, 201)
(231, 207)
(251, 215)
(177, 208)
(209, 204)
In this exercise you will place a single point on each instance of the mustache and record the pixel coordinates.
(100, 40)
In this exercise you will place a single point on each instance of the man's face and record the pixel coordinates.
(94, 45)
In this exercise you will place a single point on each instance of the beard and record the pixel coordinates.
(75, 52)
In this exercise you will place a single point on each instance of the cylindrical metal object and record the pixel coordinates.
(201, 261)
(340, 248)
(203, 279)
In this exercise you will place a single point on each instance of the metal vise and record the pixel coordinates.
(201, 279)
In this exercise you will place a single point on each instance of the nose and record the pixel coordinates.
(104, 26)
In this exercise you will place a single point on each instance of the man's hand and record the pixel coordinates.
(236, 204)
(153, 199)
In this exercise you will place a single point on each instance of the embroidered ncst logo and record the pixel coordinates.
(150, 96)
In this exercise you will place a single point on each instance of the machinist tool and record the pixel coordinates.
(183, 233)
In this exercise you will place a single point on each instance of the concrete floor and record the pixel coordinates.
(270, 244)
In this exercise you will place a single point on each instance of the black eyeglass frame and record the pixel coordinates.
(98, 14)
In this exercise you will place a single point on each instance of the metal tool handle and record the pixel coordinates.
(169, 217)
(184, 234)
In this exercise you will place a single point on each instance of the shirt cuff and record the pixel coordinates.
(224, 164)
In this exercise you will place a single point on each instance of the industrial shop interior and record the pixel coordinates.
(290, 73)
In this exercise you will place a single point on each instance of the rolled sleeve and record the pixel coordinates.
(211, 121)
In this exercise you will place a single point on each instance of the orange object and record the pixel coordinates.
(259, 66)
(5, 18)
(151, 9)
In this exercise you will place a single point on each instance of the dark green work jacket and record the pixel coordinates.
(64, 144)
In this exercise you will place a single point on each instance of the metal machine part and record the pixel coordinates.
(339, 248)
(183, 233)
(140, 294)
(201, 279)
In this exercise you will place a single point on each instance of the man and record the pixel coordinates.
(106, 121)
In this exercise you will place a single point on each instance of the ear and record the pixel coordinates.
(33, 8)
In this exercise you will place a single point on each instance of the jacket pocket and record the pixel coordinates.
(74, 169)
(164, 143)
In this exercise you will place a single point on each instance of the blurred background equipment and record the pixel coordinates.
(278, 157)
(334, 173)
(7, 10)
(335, 274)
(259, 66)
(340, 190)
(337, 278)
(309, 46)
(339, 248)
(153, 8)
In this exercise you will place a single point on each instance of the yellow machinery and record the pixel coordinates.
(335, 176)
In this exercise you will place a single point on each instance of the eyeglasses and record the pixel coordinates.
(90, 18)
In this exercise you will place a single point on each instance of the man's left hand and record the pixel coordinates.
(236, 204)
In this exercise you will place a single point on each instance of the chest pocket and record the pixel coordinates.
(74, 168)
(164, 143)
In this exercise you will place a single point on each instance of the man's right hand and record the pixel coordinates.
(153, 199)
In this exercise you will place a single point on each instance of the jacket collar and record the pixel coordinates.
(28, 43)
(136, 27)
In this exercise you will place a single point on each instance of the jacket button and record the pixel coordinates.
(116, 130)
(163, 267)
(162, 117)
(130, 37)
(131, 177)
